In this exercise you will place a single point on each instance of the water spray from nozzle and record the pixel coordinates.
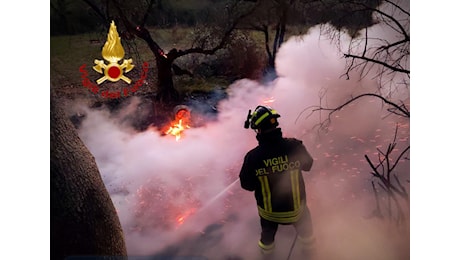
(211, 201)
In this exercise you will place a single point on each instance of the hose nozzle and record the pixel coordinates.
(246, 123)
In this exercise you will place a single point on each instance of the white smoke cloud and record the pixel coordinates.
(155, 180)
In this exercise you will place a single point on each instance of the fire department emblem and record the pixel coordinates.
(113, 52)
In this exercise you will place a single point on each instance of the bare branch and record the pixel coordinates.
(397, 6)
(391, 17)
(394, 68)
(401, 109)
(399, 157)
(388, 46)
(388, 185)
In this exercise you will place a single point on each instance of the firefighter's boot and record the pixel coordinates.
(267, 250)
(308, 246)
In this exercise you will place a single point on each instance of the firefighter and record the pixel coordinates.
(273, 170)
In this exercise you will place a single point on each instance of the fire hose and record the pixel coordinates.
(292, 247)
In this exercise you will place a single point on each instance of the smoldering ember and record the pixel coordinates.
(175, 186)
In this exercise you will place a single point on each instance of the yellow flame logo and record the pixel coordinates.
(113, 52)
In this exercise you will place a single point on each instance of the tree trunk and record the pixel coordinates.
(167, 93)
(83, 218)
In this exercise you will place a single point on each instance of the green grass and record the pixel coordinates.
(187, 85)
(68, 53)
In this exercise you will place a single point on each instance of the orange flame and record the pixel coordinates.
(176, 129)
(180, 219)
(269, 100)
(181, 122)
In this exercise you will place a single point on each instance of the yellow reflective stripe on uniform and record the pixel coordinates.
(295, 188)
(266, 194)
(307, 241)
(269, 195)
(281, 217)
(266, 247)
(282, 214)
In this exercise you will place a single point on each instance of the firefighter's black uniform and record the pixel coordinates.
(273, 170)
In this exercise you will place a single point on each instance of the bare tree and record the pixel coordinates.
(271, 19)
(275, 14)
